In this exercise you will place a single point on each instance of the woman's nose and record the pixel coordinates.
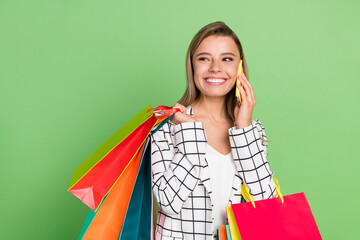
(214, 66)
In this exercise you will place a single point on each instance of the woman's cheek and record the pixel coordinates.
(196, 80)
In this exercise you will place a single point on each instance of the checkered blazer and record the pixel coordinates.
(181, 181)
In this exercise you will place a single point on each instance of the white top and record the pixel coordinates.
(222, 171)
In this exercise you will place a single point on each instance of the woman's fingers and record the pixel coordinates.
(181, 107)
(243, 113)
(181, 117)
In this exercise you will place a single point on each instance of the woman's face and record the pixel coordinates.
(215, 64)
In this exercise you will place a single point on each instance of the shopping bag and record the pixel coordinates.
(138, 219)
(234, 231)
(228, 232)
(123, 187)
(109, 218)
(222, 234)
(93, 179)
(283, 217)
(138, 222)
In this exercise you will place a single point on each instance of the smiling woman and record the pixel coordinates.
(203, 155)
(215, 70)
(216, 29)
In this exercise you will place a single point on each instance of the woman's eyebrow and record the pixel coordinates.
(206, 53)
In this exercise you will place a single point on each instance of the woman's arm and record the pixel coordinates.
(176, 165)
(250, 156)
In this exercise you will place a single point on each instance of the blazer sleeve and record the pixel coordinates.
(177, 156)
(250, 157)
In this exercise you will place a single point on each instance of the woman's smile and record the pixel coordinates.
(215, 81)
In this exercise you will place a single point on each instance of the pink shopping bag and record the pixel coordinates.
(274, 219)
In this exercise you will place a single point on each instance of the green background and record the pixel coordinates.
(73, 72)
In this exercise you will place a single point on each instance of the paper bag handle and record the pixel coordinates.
(246, 194)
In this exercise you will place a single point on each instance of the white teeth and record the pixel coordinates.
(215, 80)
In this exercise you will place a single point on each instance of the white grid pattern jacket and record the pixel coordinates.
(181, 181)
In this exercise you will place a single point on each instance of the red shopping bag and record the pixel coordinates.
(110, 216)
(124, 208)
(93, 187)
(287, 217)
(94, 178)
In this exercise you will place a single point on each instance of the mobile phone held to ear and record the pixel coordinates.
(239, 72)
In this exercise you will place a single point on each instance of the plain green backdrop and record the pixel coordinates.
(73, 72)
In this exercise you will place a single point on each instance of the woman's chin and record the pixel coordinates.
(214, 91)
(215, 94)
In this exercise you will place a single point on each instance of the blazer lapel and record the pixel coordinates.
(236, 189)
(205, 172)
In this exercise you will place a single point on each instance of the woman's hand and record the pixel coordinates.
(243, 113)
(182, 117)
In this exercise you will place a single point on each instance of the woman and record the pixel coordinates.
(201, 157)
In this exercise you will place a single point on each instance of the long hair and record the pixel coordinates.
(192, 93)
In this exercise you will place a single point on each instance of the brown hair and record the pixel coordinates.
(192, 93)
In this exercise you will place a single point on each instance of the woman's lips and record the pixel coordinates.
(214, 81)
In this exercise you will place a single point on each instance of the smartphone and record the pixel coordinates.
(239, 72)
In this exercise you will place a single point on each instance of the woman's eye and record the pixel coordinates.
(229, 59)
(201, 59)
